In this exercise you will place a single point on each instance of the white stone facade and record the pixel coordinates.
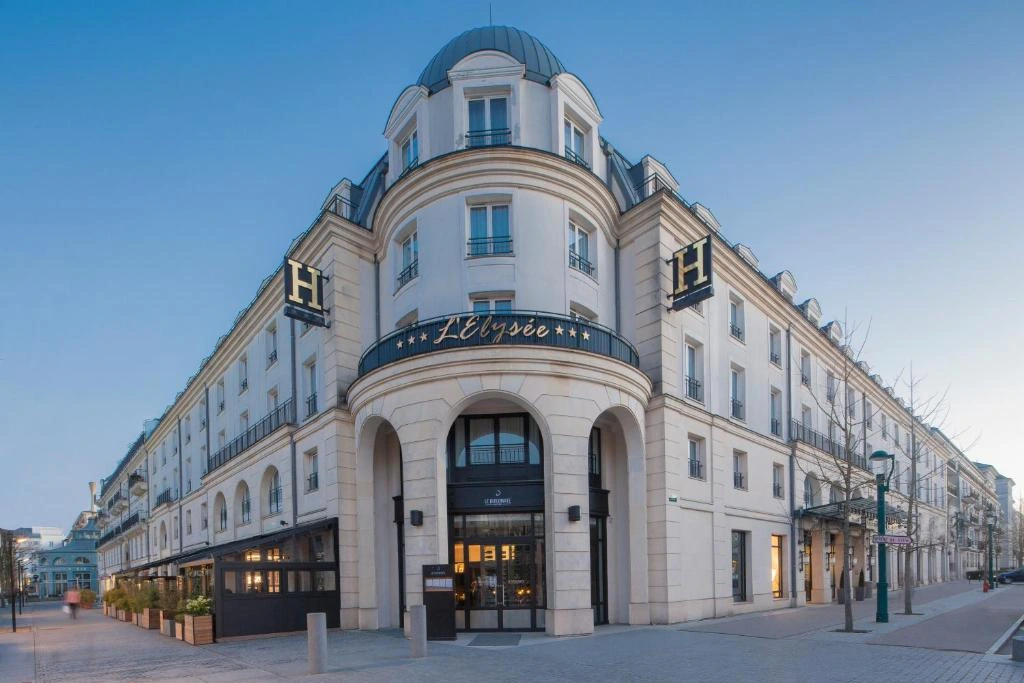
(589, 235)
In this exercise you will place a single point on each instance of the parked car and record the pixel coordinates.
(1011, 577)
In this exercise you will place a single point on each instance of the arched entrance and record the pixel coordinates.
(495, 460)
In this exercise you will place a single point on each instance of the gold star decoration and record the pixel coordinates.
(559, 329)
(586, 335)
(423, 336)
(399, 344)
(572, 331)
(412, 339)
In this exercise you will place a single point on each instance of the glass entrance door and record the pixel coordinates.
(599, 570)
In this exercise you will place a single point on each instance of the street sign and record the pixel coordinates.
(892, 540)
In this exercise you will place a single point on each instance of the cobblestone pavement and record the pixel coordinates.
(96, 648)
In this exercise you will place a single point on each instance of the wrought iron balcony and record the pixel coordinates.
(696, 468)
(736, 331)
(137, 483)
(506, 328)
(576, 158)
(283, 415)
(737, 480)
(114, 500)
(581, 264)
(271, 357)
(340, 206)
(489, 246)
(313, 482)
(821, 442)
(166, 496)
(488, 138)
(408, 273)
(311, 405)
(805, 379)
(775, 357)
(737, 409)
(695, 389)
(130, 522)
(777, 490)
(776, 426)
(410, 164)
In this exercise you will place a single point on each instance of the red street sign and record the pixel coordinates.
(892, 540)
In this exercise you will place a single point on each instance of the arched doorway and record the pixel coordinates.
(495, 458)
(382, 558)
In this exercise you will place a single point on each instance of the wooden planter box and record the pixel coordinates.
(167, 627)
(198, 630)
(123, 615)
(179, 631)
(137, 619)
(150, 618)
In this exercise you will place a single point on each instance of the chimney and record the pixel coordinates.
(92, 496)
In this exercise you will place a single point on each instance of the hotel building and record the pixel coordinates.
(504, 388)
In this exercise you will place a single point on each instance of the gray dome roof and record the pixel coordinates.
(541, 63)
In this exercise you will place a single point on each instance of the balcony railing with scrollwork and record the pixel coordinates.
(506, 328)
(283, 415)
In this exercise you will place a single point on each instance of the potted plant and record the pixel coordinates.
(124, 604)
(860, 586)
(168, 609)
(199, 620)
(88, 598)
(148, 599)
(179, 626)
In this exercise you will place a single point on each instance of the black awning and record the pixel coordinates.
(213, 552)
(862, 510)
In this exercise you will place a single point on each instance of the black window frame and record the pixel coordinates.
(495, 470)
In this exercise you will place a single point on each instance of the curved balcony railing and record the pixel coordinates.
(508, 328)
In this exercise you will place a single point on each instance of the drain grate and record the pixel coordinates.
(496, 640)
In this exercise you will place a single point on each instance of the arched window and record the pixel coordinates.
(809, 491)
(833, 494)
(271, 491)
(81, 560)
(220, 509)
(243, 504)
(57, 562)
(163, 535)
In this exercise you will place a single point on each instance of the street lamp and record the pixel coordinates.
(882, 482)
(990, 518)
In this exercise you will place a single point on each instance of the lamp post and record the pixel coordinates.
(990, 518)
(882, 482)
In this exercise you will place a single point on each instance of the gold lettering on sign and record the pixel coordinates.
(469, 327)
(488, 330)
(454, 320)
(698, 265)
(542, 331)
(298, 284)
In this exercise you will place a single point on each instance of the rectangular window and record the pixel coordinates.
(488, 122)
(310, 376)
(805, 369)
(220, 397)
(489, 230)
(594, 458)
(739, 470)
(775, 346)
(579, 250)
(410, 265)
(271, 339)
(243, 374)
(695, 460)
(485, 306)
(776, 412)
(410, 152)
(188, 429)
(243, 422)
(778, 475)
(885, 426)
(203, 517)
(694, 371)
(831, 386)
(575, 144)
(806, 417)
(739, 566)
(223, 518)
(736, 318)
(272, 400)
(777, 564)
(188, 522)
(851, 403)
(312, 471)
(736, 393)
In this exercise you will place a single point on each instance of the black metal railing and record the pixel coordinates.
(282, 415)
(576, 158)
(505, 454)
(804, 434)
(408, 273)
(271, 358)
(696, 468)
(246, 510)
(489, 246)
(274, 500)
(695, 389)
(313, 481)
(736, 331)
(776, 426)
(109, 536)
(130, 522)
(311, 405)
(243, 385)
(737, 480)
(805, 379)
(737, 409)
(114, 499)
(581, 264)
(488, 138)
(410, 164)
(777, 489)
(340, 206)
(166, 496)
(520, 328)
(775, 357)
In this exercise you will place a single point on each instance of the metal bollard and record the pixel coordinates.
(1017, 653)
(418, 630)
(316, 630)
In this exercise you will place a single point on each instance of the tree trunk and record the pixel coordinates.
(848, 604)
(908, 566)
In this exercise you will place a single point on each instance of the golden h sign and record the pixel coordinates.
(691, 274)
(304, 293)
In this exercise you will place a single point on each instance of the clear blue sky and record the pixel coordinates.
(157, 159)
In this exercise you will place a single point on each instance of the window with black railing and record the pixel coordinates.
(738, 480)
(282, 415)
(409, 273)
(696, 468)
(775, 357)
(489, 138)
(776, 427)
(582, 264)
(777, 489)
(694, 389)
(341, 206)
(736, 331)
(489, 246)
(805, 379)
(246, 508)
(313, 481)
(833, 447)
(594, 458)
(576, 158)
(164, 497)
(494, 448)
(311, 405)
(737, 409)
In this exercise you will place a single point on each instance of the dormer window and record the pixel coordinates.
(488, 122)
(575, 144)
(410, 152)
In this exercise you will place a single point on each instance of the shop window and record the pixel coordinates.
(777, 566)
(739, 566)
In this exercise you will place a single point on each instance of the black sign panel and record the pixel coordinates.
(691, 274)
(304, 293)
(439, 601)
(502, 497)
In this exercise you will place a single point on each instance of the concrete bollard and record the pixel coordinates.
(418, 630)
(316, 631)
(1018, 649)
